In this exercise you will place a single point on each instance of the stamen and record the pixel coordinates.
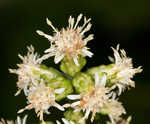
(45, 35)
(72, 23)
(85, 22)
(69, 21)
(78, 20)
(50, 24)
(87, 28)
(90, 37)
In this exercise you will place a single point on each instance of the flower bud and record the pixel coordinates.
(61, 82)
(113, 109)
(101, 70)
(83, 83)
(46, 73)
(69, 67)
(74, 116)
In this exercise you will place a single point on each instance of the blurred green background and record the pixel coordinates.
(126, 22)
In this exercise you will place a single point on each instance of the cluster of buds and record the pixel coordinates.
(95, 91)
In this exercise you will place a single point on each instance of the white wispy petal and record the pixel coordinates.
(87, 52)
(60, 90)
(58, 58)
(97, 79)
(75, 59)
(103, 81)
(59, 107)
(73, 97)
(75, 104)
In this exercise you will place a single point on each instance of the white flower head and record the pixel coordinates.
(123, 70)
(114, 109)
(41, 98)
(69, 41)
(93, 101)
(25, 69)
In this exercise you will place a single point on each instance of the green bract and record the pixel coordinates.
(101, 70)
(105, 110)
(69, 67)
(61, 82)
(74, 116)
(83, 82)
(45, 73)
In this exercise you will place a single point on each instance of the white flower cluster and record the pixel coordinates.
(104, 98)
(39, 96)
(97, 100)
(71, 42)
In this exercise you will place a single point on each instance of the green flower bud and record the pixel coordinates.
(70, 115)
(101, 70)
(113, 108)
(61, 82)
(83, 82)
(45, 73)
(105, 110)
(69, 67)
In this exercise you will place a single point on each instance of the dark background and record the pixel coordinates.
(126, 22)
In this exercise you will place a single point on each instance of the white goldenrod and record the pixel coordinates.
(24, 72)
(41, 98)
(93, 101)
(69, 41)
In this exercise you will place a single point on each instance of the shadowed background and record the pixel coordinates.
(114, 21)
